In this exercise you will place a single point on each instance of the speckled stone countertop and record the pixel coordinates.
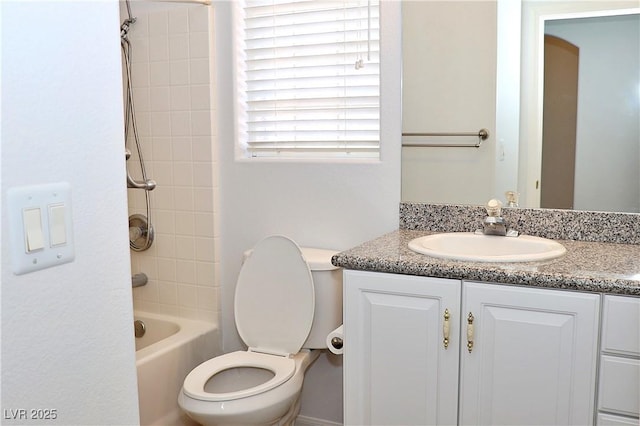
(609, 267)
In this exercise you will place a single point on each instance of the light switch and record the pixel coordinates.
(40, 226)
(57, 225)
(34, 240)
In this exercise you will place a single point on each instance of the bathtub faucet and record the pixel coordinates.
(138, 280)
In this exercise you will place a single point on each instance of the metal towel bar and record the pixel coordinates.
(482, 135)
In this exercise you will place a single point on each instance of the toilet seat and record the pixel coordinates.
(194, 384)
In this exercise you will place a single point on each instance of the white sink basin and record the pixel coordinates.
(487, 248)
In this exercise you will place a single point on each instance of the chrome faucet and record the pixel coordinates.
(494, 223)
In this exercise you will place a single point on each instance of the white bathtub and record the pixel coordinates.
(169, 350)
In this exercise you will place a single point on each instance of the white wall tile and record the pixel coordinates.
(178, 21)
(143, 123)
(159, 49)
(168, 292)
(205, 274)
(190, 313)
(200, 123)
(140, 28)
(202, 174)
(159, 98)
(186, 224)
(165, 245)
(181, 123)
(199, 45)
(163, 198)
(198, 19)
(161, 148)
(149, 292)
(203, 200)
(172, 94)
(139, 50)
(204, 249)
(160, 124)
(166, 271)
(183, 174)
(183, 197)
(186, 271)
(178, 47)
(199, 71)
(181, 148)
(158, 24)
(200, 97)
(180, 98)
(163, 173)
(164, 220)
(187, 296)
(204, 224)
(140, 74)
(141, 99)
(159, 73)
(206, 297)
(201, 147)
(179, 73)
(148, 265)
(185, 247)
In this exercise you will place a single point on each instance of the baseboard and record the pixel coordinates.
(311, 421)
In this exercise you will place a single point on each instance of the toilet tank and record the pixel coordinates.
(327, 282)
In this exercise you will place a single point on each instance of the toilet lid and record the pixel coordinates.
(274, 300)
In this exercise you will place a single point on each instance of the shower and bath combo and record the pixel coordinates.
(140, 228)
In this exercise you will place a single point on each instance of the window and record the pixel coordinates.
(309, 79)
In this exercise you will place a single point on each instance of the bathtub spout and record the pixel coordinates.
(138, 280)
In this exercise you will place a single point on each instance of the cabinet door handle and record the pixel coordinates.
(445, 329)
(470, 332)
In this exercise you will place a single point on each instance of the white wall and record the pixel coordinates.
(171, 53)
(608, 127)
(67, 335)
(330, 205)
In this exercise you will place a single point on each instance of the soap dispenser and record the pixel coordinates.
(512, 198)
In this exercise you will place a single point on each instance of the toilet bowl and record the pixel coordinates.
(276, 316)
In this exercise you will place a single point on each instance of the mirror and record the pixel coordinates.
(473, 175)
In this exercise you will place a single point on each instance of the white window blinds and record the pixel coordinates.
(310, 78)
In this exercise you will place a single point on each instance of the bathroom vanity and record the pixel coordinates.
(435, 341)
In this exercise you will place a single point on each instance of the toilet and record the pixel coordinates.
(287, 300)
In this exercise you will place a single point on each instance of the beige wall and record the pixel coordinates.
(449, 85)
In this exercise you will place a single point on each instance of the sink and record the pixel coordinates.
(474, 247)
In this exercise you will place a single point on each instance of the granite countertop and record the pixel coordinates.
(587, 265)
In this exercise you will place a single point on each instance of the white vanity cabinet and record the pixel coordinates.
(532, 361)
(619, 382)
(397, 369)
(534, 356)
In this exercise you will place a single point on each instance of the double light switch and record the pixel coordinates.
(40, 226)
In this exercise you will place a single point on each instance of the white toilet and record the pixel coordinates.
(287, 298)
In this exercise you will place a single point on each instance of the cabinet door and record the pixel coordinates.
(396, 368)
(533, 359)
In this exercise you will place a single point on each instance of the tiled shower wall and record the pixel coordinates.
(171, 60)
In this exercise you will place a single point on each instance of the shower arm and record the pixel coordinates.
(147, 185)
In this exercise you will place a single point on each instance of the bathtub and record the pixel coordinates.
(170, 348)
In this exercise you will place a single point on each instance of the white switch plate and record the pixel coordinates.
(54, 202)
